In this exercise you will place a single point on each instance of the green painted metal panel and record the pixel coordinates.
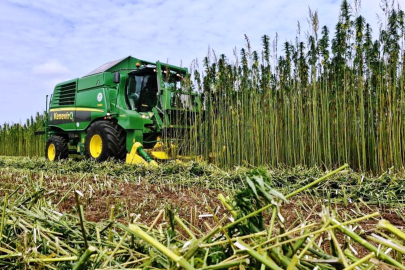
(92, 104)
(90, 82)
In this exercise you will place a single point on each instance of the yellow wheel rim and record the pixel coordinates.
(96, 146)
(51, 152)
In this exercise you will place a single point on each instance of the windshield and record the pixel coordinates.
(141, 91)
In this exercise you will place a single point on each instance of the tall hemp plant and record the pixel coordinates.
(323, 102)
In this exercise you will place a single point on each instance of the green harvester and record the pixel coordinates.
(128, 109)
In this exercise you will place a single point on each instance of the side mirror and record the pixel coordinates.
(116, 77)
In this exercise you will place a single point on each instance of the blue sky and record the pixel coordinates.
(44, 42)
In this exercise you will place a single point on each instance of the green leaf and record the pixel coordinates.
(259, 180)
(252, 186)
(276, 193)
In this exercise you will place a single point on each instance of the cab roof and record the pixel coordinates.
(129, 62)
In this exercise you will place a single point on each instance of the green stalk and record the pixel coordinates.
(48, 260)
(385, 224)
(170, 254)
(227, 205)
(367, 245)
(226, 265)
(315, 232)
(116, 249)
(233, 239)
(297, 245)
(110, 236)
(81, 217)
(291, 266)
(316, 182)
(339, 250)
(264, 260)
(189, 232)
(270, 232)
(84, 258)
(361, 261)
(272, 221)
(3, 215)
(388, 243)
(155, 220)
(282, 260)
(70, 189)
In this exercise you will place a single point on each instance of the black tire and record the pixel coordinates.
(106, 134)
(122, 143)
(56, 148)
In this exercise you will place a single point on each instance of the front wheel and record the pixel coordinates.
(56, 148)
(102, 141)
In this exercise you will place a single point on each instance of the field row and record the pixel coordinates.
(110, 215)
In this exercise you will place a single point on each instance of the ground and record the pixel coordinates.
(142, 194)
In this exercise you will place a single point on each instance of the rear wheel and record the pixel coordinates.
(56, 148)
(102, 141)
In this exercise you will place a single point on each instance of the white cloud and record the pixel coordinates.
(51, 68)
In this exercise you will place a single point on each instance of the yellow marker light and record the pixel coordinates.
(138, 64)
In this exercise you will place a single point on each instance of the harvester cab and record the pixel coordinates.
(128, 109)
